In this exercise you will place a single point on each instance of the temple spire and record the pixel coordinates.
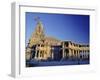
(38, 34)
(39, 31)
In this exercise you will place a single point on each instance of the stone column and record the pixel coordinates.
(39, 55)
(78, 54)
(63, 50)
(70, 52)
(52, 54)
(36, 53)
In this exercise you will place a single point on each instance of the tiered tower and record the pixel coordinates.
(38, 34)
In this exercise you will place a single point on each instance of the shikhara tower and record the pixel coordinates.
(38, 34)
(42, 47)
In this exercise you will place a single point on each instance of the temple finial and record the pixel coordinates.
(37, 19)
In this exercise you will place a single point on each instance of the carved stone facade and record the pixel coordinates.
(42, 47)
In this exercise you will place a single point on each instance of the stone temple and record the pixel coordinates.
(42, 47)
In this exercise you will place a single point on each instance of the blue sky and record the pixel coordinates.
(61, 26)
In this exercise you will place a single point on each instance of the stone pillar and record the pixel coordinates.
(70, 53)
(52, 55)
(39, 55)
(78, 54)
(39, 52)
(73, 53)
(43, 54)
(63, 50)
(36, 53)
